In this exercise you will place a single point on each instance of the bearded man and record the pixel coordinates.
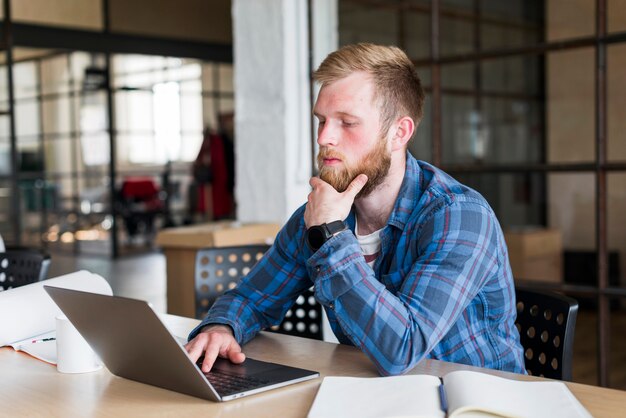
(407, 262)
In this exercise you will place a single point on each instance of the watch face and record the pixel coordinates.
(315, 237)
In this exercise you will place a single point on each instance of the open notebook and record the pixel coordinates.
(32, 312)
(457, 394)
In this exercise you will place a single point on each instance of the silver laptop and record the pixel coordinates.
(133, 343)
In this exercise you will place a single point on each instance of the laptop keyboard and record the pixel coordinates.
(226, 383)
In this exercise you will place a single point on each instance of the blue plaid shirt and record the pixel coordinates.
(441, 287)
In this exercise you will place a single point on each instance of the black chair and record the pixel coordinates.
(546, 322)
(45, 264)
(220, 269)
(21, 267)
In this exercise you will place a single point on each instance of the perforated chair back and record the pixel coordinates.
(22, 267)
(220, 269)
(546, 322)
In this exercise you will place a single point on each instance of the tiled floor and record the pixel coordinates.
(144, 277)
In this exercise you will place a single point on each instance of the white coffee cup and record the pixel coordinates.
(74, 355)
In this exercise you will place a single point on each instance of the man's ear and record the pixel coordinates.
(404, 129)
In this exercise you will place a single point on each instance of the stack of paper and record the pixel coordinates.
(28, 314)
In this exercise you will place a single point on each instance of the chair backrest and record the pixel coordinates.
(220, 269)
(45, 264)
(546, 322)
(21, 267)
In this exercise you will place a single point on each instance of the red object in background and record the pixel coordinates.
(139, 187)
(220, 195)
(142, 189)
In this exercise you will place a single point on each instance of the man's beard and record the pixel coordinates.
(375, 165)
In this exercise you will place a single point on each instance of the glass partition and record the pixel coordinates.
(67, 198)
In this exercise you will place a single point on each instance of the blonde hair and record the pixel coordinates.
(397, 87)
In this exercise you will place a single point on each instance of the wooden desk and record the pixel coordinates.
(29, 387)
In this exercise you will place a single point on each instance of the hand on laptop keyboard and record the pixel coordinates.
(214, 340)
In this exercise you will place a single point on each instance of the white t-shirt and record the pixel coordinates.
(2, 249)
(370, 244)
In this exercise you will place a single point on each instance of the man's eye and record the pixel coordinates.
(348, 124)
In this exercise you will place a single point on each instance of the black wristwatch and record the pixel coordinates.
(317, 235)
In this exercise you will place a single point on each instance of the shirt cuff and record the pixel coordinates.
(329, 267)
(218, 320)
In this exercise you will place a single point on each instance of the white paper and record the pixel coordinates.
(479, 392)
(43, 350)
(28, 312)
(378, 397)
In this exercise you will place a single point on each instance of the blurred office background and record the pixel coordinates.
(105, 105)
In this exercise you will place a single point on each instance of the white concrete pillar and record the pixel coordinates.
(325, 29)
(272, 108)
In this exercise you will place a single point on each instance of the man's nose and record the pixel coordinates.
(326, 134)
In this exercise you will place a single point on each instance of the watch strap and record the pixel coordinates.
(336, 226)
